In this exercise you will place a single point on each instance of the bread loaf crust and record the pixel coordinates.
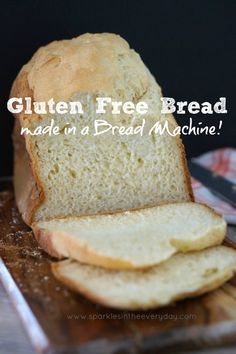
(82, 64)
(29, 191)
(36, 80)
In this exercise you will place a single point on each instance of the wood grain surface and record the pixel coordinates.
(60, 321)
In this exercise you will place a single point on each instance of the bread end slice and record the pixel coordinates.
(182, 276)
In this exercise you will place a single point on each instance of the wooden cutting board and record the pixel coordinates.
(60, 321)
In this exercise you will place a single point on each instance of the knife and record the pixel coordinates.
(220, 186)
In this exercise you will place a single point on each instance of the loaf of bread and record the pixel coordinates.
(183, 275)
(132, 239)
(60, 175)
(112, 201)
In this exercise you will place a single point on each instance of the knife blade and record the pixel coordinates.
(219, 185)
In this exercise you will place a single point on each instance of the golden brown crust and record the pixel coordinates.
(186, 170)
(29, 191)
(46, 242)
(82, 64)
(184, 165)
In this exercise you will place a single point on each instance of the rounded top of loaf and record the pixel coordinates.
(91, 63)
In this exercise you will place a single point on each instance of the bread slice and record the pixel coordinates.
(182, 276)
(132, 239)
(75, 174)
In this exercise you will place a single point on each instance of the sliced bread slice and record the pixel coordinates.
(183, 275)
(132, 239)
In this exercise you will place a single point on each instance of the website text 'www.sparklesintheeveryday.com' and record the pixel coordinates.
(133, 316)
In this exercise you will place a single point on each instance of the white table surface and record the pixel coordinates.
(13, 338)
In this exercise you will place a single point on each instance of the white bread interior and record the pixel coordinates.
(132, 239)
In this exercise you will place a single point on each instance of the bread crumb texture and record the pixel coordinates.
(88, 174)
